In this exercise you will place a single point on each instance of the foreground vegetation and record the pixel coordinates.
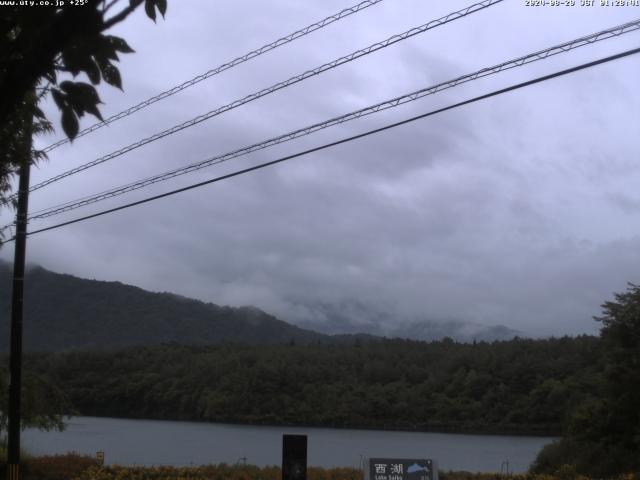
(224, 472)
(54, 467)
(602, 435)
(78, 467)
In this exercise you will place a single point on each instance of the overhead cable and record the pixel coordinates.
(278, 86)
(344, 140)
(387, 104)
(221, 68)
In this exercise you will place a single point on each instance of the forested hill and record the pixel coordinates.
(519, 386)
(65, 312)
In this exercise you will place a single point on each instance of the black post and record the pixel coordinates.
(294, 457)
(15, 355)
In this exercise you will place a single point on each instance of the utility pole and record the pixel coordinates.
(15, 355)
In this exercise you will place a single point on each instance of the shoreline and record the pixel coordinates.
(433, 428)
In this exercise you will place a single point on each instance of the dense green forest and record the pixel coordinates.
(519, 386)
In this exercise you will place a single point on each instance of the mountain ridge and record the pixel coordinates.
(64, 312)
(352, 316)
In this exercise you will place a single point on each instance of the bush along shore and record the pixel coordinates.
(73, 466)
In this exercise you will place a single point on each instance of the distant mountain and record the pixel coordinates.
(351, 317)
(455, 329)
(65, 312)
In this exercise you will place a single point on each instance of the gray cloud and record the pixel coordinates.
(519, 210)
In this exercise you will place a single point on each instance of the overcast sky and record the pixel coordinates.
(522, 210)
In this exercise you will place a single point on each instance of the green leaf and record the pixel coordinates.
(82, 97)
(78, 58)
(67, 86)
(110, 74)
(59, 98)
(162, 6)
(87, 92)
(119, 44)
(93, 110)
(69, 123)
(149, 7)
(107, 51)
(92, 71)
(104, 48)
(87, 98)
(72, 60)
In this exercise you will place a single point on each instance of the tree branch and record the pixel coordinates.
(108, 6)
(122, 15)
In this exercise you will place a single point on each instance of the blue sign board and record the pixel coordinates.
(401, 469)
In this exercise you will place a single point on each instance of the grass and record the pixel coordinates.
(73, 466)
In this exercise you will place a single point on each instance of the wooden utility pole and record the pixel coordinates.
(15, 355)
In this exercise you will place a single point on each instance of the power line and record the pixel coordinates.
(394, 102)
(345, 140)
(278, 86)
(221, 68)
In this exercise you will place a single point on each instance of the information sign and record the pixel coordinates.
(401, 469)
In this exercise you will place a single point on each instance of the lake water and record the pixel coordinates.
(151, 442)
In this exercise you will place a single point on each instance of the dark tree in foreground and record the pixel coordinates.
(42, 50)
(43, 403)
(603, 435)
(618, 422)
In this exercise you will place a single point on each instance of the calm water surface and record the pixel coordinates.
(151, 442)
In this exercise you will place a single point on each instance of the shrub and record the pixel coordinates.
(56, 467)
